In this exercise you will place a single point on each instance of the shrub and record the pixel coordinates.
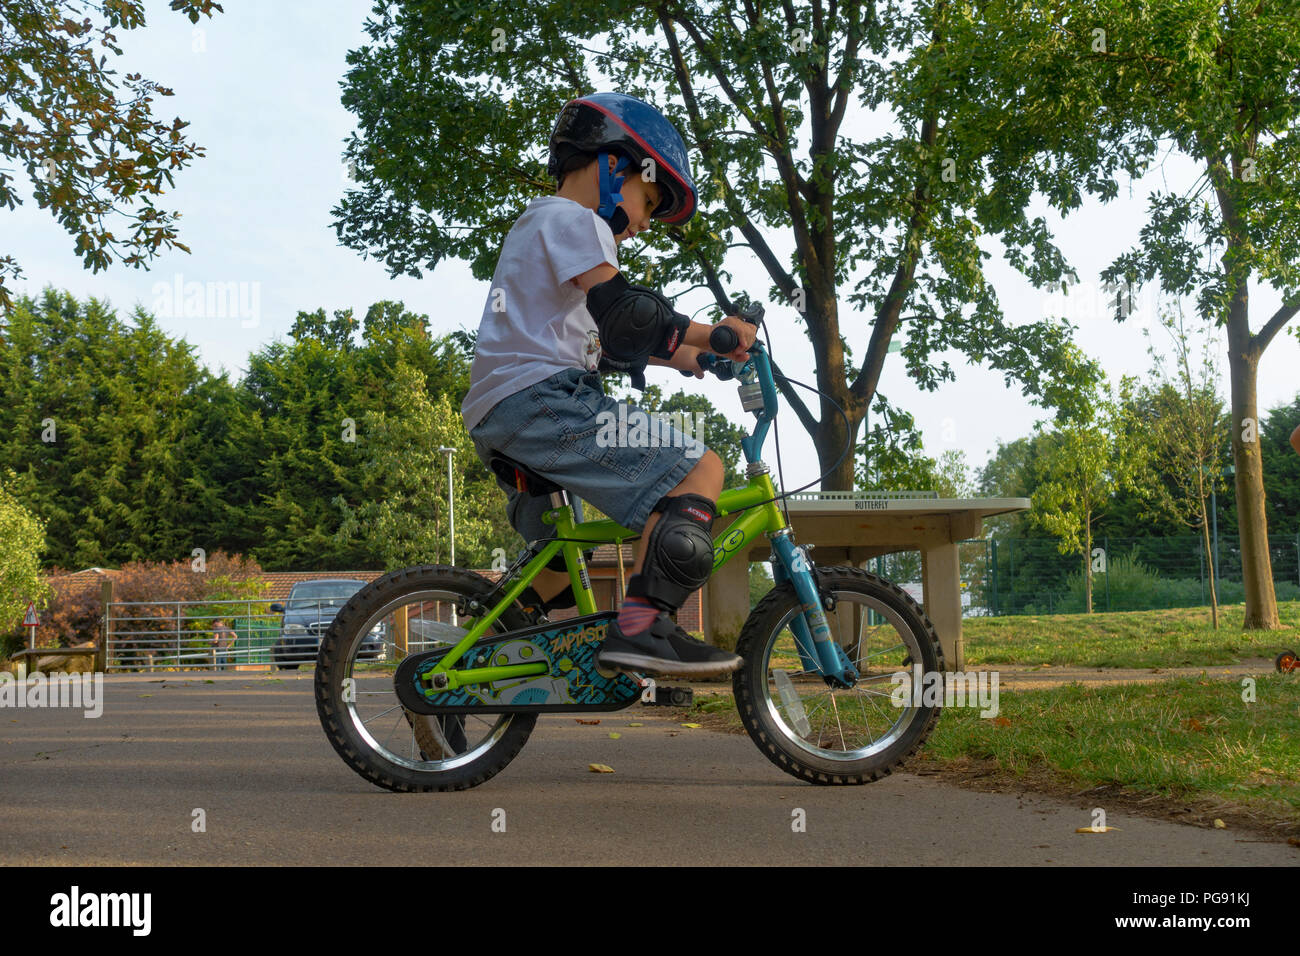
(1135, 586)
(75, 617)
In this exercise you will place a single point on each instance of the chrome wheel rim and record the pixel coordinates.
(370, 704)
(842, 724)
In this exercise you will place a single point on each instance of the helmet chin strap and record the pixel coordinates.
(610, 197)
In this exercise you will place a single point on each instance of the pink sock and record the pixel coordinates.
(636, 615)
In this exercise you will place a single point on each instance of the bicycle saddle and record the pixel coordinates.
(521, 476)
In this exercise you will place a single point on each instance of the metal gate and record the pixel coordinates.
(158, 635)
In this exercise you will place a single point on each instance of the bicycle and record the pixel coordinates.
(465, 670)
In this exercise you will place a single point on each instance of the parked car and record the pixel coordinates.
(308, 612)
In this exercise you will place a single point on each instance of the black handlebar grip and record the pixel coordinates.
(723, 339)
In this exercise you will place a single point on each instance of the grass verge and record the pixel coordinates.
(1185, 748)
(1177, 637)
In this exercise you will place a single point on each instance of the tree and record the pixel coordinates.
(952, 475)
(99, 409)
(23, 537)
(302, 426)
(1282, 467)
(400, 510)
(1187, 435)
(1009, 473)
(1083, 466)
(1216, 83)
(454, 106)
(88, 152)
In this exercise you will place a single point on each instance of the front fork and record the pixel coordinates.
(819, 652)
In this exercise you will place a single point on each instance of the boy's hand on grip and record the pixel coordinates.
(745, 332)
(686, 359)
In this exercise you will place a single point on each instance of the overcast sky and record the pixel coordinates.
(259, 85)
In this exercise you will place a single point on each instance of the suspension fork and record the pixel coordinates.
(819, 652)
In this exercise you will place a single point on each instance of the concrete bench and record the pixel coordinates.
(854, 527)
(32, 659)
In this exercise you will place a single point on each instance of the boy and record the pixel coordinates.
(558, 314)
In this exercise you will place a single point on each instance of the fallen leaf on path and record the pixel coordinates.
(599, 768)
(1095, 829)
(634, 725)
(1219, 824)
(614, 736)
(581, 721)
(691, 725)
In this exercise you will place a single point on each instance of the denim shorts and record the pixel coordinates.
(557, 429)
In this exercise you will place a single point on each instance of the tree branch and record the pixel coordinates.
(1274, 325)
(843, 80)
(887, 316)
(780, 277)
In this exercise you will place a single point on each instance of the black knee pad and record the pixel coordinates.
(679, 554)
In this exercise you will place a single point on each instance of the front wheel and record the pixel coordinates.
(831, 735)
(409, 612)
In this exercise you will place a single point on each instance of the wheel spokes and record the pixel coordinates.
(413, 624)
(877, 651)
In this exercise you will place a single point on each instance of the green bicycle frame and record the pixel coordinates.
(737, 538)
(759, 514)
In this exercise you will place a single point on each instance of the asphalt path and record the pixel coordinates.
(248, 751)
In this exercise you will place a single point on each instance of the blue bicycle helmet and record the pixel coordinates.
(633, 131)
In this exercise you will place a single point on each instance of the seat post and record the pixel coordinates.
(559, 499)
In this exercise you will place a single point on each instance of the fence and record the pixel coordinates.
(175, 635)
(1030, 575)
(153, 635)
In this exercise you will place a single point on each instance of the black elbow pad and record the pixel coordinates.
(634, 323)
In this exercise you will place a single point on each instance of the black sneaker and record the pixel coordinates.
(664, 650)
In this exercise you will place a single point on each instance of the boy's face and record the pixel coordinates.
(640, 199)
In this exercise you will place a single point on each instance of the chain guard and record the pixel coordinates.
(572, 681)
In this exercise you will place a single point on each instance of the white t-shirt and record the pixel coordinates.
(535, 322)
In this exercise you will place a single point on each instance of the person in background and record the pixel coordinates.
(223, 639)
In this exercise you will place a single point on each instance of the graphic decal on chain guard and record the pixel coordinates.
(571, 682)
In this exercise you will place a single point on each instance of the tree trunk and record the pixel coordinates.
(1209, 561)
(831, 438)
(1256, 567)
(1087, 566)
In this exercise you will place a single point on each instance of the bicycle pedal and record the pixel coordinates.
(670, 696)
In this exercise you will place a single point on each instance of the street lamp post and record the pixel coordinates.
(451, 501)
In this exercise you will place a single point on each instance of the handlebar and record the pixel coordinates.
(723, 338)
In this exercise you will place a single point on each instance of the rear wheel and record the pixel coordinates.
(415, 610)
(836, 735)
